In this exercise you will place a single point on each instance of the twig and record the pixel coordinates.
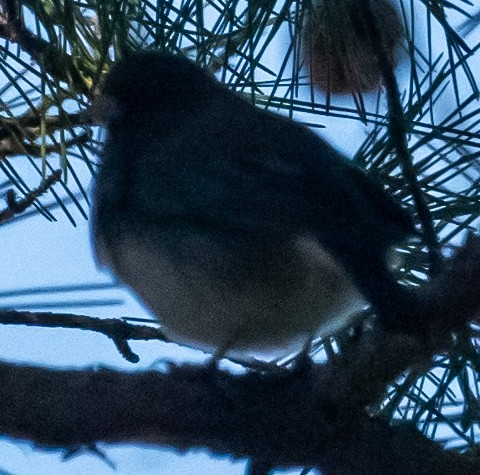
(14, 146)
(29, 124)
(15, 207)
(116, 329)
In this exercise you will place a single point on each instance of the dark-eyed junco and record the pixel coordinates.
(238, 228)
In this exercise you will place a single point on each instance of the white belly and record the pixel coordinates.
(211, 301)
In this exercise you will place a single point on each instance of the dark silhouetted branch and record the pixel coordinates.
(289, 424)
(116, 329)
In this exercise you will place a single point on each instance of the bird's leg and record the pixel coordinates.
(303, 363)
(227, 345)
(218, 355)
(258, 467)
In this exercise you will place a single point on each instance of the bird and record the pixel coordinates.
(240, 229)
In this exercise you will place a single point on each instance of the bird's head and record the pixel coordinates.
(150, 83)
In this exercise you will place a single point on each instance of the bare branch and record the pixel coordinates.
(15, 207)
(116, 329)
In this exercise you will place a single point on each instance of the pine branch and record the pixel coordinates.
(53, 60)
